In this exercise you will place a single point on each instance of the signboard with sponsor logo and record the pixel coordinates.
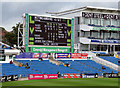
(99, 15)
(89, 75)
(71, 75)
(71, 55)
(42, 76)
(110, 75)
(8, 78)
(62, 55)
(105, 41)
(40, 55)
(50, 49)
(32, 55)
(79, 55)
(3, 78)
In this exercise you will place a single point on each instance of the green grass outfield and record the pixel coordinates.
(64, 82)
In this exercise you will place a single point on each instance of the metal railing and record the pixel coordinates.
(104, 62)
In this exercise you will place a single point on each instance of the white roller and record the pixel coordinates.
(11, 52)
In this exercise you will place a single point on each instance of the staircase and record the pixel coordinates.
(104, 62)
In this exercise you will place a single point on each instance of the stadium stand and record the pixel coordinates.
(110, 58)
(45, 67)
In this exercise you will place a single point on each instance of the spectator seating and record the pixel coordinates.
(110, 58)
(45, 67)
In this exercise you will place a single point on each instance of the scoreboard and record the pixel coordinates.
(49, 31)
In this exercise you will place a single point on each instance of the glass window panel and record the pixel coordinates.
(87, 34)
(94, 21)
(87, 20)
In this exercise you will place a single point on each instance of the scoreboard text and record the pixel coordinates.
(49, 31)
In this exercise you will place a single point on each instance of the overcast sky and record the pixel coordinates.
(12, 11)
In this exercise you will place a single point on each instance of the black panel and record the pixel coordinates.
(49, 31)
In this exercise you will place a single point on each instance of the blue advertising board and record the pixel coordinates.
(89, 76)
(32, 55)
(62, 55)
(105, 41)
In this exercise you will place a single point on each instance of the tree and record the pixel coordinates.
(10, 38)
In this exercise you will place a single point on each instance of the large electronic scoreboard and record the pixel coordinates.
(49, 31)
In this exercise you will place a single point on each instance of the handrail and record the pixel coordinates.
(104, 62)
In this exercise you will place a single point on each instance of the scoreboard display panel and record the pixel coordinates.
(49, 31)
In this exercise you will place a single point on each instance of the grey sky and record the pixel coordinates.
(12, 11)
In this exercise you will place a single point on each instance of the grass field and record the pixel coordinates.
(65, 82)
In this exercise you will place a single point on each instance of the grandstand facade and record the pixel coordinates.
(95, 28)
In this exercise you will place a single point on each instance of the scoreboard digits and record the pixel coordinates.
(49, 31)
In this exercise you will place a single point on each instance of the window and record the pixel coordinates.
(2, 57)
(94, 34)
(106, 22)
(114, 35)
(115, 22)
(106, 35)
(87, 20)
(87, 34)
(102, 22)
(117, 48)
(103, 47)
(94, 21)
(83, 47)
(82, 33)
(83, 20)
(102, 34)
(10, 57)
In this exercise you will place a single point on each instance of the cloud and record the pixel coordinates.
(12, 11)
(60, 0)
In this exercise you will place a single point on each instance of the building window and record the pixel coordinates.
(87, 21)
(115, 22)
(82, 33)
(94, 34)
(2, 57)
(117, 48)
(107, 22)
(94, 21)
(102, 22)
(10, 57)
(103, 47)
(114, 35)
(102, 34)
(99, 21)
(106, 35)
(87, 34)
(82, 20)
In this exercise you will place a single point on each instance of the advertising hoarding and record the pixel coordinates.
(8, 78)
(50, 49)
(62, 55)
(42, 76)
(89, 75)
(71, 75)
(79, 55)
(32, 55)
(110, 75)
(71, 55)
(105, 41)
